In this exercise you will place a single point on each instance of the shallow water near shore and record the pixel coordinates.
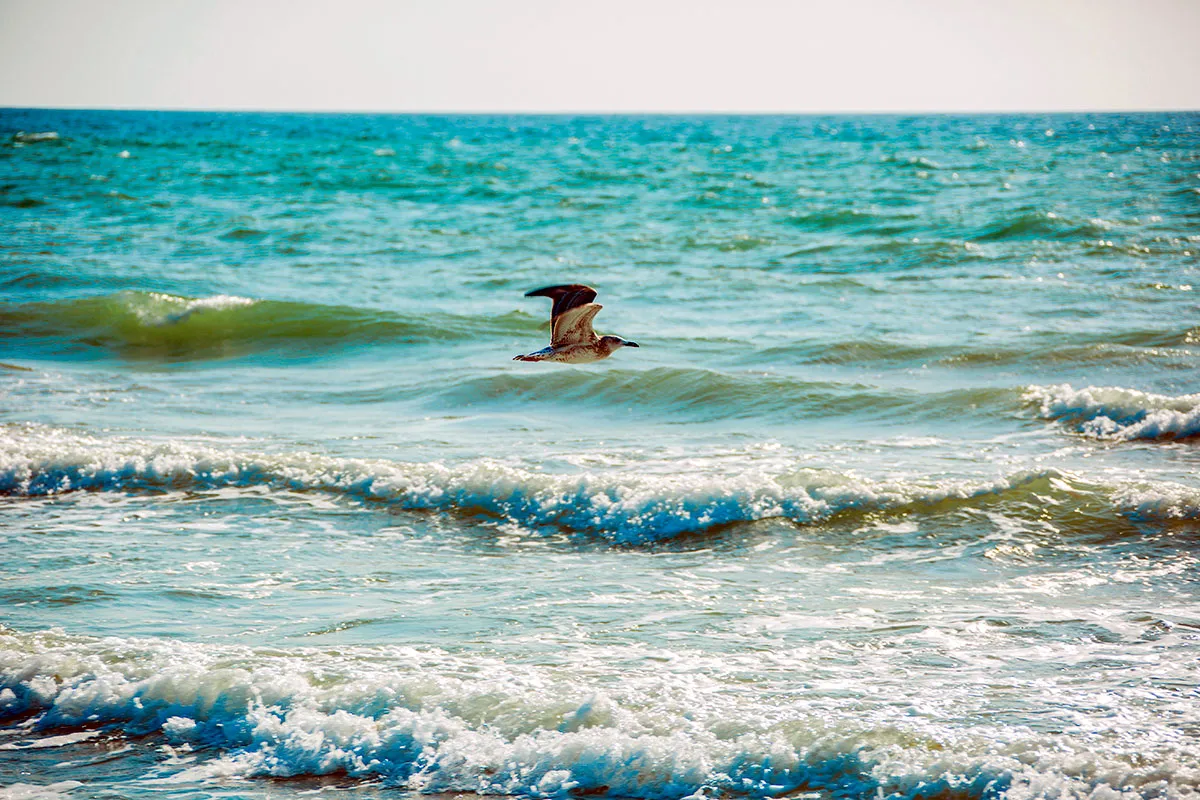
(897, 499)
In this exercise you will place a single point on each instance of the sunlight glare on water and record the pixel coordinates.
(896, 499)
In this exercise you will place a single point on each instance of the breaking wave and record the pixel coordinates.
(436, 722)
(630, 505)
(26, 137)
(1115, 413)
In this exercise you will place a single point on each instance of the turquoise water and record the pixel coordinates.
(898, 498)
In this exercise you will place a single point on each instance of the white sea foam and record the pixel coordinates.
(1160, 501)
(46, 741)
(37, 136)
(623, 505)
(35, 791)
(439, 722)
(155, 308)
(1111, 412)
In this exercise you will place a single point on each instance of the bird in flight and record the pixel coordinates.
(572, 339)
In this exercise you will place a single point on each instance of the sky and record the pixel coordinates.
(602, 55)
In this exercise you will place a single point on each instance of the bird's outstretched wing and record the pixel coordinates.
(574, 326)
(565, 297)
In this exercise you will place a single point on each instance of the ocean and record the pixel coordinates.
(899, 497)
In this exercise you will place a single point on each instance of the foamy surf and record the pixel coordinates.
(1119, 414)
(436, 722)
(59, 790)
(632, 504)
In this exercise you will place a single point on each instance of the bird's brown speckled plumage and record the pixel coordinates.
(572, 339)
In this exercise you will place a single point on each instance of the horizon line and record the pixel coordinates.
(598, 113)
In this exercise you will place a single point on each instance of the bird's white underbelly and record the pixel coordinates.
(577, 354)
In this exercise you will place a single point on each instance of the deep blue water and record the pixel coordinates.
(899, 497)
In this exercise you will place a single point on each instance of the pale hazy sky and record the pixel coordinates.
(602, 55)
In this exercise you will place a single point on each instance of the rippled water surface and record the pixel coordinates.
(898, 498)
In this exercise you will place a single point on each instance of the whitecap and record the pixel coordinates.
(166, 309)
(432, 721)
(37, 136)
(1159, 501)
(630, 504)
(1116, 413)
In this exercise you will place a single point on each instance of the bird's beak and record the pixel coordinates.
(632, 344)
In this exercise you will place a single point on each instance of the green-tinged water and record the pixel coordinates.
(898, 497)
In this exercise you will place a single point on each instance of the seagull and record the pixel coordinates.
(572, 339)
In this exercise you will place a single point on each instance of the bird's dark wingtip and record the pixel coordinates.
(560, 289)
(565, 296)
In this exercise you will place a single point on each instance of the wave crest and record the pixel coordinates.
(158, 325)
(431, 721)
(1115, 413)
(622, 506)
(635, 504)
